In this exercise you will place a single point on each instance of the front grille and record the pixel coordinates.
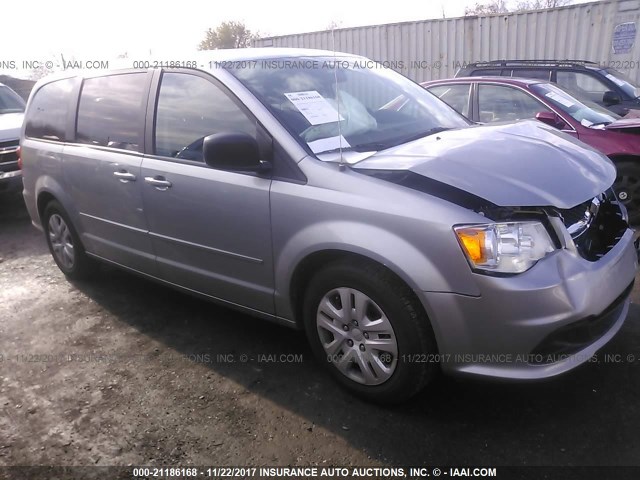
(572, 338)
(9, 156)
(596, 226)
(572, 216)
(10, 143)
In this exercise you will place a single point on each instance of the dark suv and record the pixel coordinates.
(604, 86)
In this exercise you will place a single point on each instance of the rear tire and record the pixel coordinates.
(378, 347)
(627, 188)
(64, 243)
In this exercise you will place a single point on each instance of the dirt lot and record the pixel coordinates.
(122, 371)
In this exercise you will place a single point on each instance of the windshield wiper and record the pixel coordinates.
(363, 147)
(336, 150)
(377, 146)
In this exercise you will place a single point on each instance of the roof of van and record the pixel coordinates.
(203, 59)
(267, 52)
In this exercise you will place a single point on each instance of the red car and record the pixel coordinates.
(496, 99)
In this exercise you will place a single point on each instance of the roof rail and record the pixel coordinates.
(517, 63)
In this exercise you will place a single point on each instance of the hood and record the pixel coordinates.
(623, 123)
(511, 165)
(10, 126)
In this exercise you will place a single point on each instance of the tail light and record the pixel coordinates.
(18, 153)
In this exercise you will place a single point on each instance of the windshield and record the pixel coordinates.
(586, 112)
(10, 101)
(623, 81)
(346, 103)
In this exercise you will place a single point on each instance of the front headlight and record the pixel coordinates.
(512, 247)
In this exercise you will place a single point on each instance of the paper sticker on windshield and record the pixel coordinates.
(315, 108)
(561, 99)
(328, 144)
(616, 80)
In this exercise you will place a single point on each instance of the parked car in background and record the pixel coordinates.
(499, 99)
(11, 116)
(276, 181)
(605, 86)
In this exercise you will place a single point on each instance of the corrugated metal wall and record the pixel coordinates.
(433, 49)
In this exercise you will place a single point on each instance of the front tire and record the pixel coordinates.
(369, 329)
(64, 243)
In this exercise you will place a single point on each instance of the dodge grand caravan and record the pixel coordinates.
(278, 182)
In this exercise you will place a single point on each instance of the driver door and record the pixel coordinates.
(210, 228)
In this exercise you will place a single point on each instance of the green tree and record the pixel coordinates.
(227, 35)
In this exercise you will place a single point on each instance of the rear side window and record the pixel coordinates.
(110, 111)
(487, 73)
(499, 103)
(47, 115)
(191, 108)
(538, 73)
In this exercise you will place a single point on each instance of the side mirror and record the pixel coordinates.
(551, 119)
(611, 98)
(232, 151)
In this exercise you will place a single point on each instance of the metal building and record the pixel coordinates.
(604, 32)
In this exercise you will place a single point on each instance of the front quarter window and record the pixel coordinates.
(348, 103)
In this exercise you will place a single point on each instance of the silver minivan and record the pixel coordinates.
(325, 192)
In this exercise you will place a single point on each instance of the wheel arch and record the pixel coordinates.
(313, 262)
(624, 157)
(48, 189)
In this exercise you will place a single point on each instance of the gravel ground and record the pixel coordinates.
(122, 371)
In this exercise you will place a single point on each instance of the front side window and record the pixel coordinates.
(500, 103)
(346, 104)
(623, 81)
(110, 111)
(191, 108)
(456, 96)
(589, 114)
(47, 115)
(583, 84)
(10, 101)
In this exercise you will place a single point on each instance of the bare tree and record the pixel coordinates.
(541, 4)
(334, 25)
(227, 35)
(493, 7)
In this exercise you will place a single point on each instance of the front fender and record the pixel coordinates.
(406, 260)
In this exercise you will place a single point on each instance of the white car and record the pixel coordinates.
(11, 116)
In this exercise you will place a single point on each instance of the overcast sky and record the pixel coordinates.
(37, 29)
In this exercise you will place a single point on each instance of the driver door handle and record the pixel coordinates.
(124, 176)
(159, 182)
